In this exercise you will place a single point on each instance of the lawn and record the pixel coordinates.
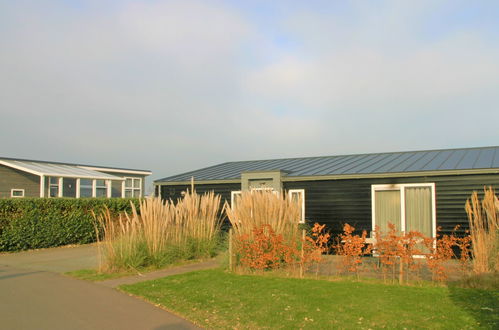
(217, 299)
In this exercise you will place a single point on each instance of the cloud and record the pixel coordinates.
(178, 85)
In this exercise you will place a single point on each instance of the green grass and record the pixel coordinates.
(216, 299)
(94, 275)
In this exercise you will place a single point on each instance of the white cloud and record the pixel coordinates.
(178, 85)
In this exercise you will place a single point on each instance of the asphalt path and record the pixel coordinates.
(35, 295)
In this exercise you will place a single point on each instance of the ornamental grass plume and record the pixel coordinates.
(161, 233)
(484, 231)
(254, 209)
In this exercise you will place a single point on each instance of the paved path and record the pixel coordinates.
(34, 296)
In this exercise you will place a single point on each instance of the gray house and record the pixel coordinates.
(33, 178)
(417, 190)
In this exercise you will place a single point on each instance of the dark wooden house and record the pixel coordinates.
(417, 190)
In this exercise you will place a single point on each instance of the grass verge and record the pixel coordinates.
(216, 299)
(93, 275)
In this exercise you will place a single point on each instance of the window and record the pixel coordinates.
(133, 187)
(407, 206)
(17, 193)
(234, 197)
(54, 187)
(100, 188)
(298, 195)
(86, 187)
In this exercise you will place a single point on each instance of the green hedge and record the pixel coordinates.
(33, 223)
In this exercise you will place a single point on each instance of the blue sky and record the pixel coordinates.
(178, 85)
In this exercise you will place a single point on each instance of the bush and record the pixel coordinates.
(33, 223)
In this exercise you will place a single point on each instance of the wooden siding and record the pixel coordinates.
(175, 192)
(15, 179)
(335, 202)
(349, 201)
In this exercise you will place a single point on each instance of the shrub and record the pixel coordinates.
(352, 248)
(33, 223)
(265, 249)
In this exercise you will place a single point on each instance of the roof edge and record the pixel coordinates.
(73, 164)
(346, 176)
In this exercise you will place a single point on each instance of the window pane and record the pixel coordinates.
(85, 182)
(85, 192)
(128, 193)
(136, 193)
(128, 183)
(54, 180)
(136, 183)
(295, 196)
(100, 183)
(85, 188)
(100, 192)
(54, 191)
(387, 209)
(418, 210)
(18, 193)
(116, 189)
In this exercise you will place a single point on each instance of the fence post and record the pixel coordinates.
(401, 271)
(231, 262)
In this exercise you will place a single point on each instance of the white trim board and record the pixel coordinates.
(401, 187)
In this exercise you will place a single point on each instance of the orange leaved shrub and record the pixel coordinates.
(265, 249)
(352, 248)
(403, 254)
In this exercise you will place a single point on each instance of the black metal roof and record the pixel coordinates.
(362, 164)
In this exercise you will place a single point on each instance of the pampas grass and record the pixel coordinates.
(484, 227)
(257, 208)
(162, 233)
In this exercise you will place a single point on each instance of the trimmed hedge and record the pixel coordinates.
(33, 223)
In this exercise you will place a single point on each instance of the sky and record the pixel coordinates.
(173, 86)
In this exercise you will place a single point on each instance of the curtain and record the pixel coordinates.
(418, 210)
(387, 209)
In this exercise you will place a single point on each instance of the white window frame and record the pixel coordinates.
(17, 190)
(59, 186)
(302, 193)
(132, 188)
(401, 187)
(94, 187)
(233, 195)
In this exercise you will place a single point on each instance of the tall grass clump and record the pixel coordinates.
(160, 233)
(483, 218)
(254, 209)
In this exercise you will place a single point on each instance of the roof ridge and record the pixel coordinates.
(362, 154)
(201, 169)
